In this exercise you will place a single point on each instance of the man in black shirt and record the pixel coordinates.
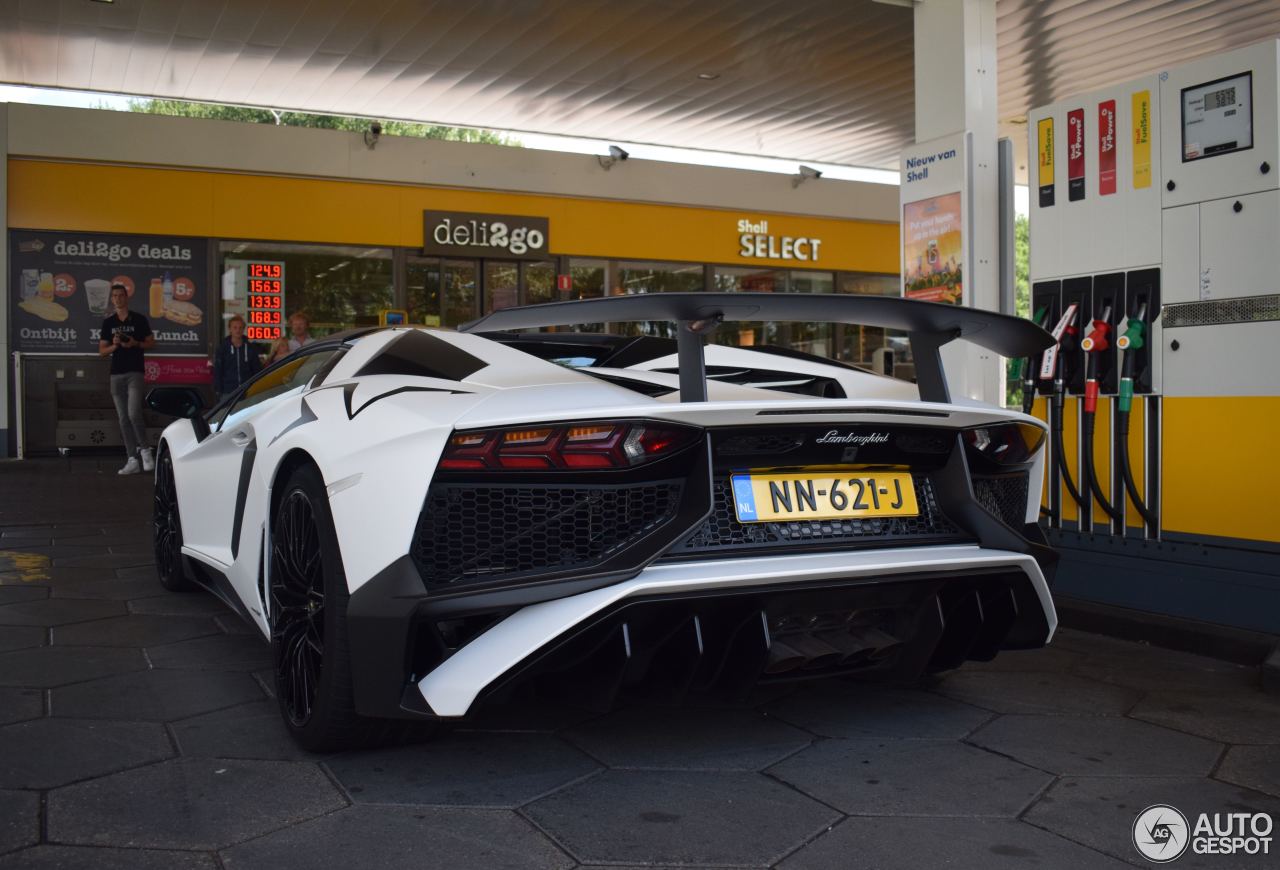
(125, 335)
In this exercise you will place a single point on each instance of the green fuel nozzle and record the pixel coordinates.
(1132, 337)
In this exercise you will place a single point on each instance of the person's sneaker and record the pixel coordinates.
(130, 467)
(148, 459)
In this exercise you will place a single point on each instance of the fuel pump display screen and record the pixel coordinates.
(1217, 117)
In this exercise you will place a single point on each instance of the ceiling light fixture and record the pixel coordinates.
(708, 77)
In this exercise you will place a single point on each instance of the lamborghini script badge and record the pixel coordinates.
(834, 437)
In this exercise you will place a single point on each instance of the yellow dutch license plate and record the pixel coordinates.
(825, 495)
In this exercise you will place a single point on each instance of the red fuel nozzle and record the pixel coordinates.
(1090, 396)
(1096, 341)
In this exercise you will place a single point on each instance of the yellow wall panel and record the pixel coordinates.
(1221, 469)
(1102, 462)
(1137, 458)
(1070, 455)
(134, 199)
(1040, 410)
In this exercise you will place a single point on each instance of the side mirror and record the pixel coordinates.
(176, 402)
(185, 402)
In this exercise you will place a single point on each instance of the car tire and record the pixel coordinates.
(166, 528)
(308, 610)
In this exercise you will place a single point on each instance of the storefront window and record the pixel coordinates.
(460, 279)
(539, 283)
(338, 287)
(734, 279)
(501, 285)
(423, 297)
(858, 344)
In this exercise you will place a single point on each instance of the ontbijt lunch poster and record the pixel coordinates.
(60, 287)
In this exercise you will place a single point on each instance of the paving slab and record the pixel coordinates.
(137, 572)
(105, 560)
(218, 652)
(402, 838)
(46, 753)
(680, 817)
(14, 593)
(523, 714)
(1051, 659)
(1098, 746)
(18, 705)
(1149, 669)
(19, 819)
(133, 630)
(1243, 716)
(253, 730)
(664, 738)
(846, 709)
(463, 769)
(874, 777)
(1032, 692)
(58, 611)
(961, 844)
(189, 803)
(178, 604)
(1099, 812)
(76, 857)
(156, 695)
(49, 666)
(1256, 767)
(232, 623)
(107, 586)
(22, 637)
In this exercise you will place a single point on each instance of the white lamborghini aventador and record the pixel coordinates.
(419, 520)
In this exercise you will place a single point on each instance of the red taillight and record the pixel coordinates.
(570, 446)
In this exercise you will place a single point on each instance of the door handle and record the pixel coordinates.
(241, 438)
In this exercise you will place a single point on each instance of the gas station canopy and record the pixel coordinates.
(802, 79)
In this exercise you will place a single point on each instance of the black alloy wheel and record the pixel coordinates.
(297, 606)
(167, 528)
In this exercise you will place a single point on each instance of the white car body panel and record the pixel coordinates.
(451, 688)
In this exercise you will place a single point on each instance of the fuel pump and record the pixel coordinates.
(1130, 343)
(1095, 344)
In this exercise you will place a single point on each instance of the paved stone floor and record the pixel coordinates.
(137, 731)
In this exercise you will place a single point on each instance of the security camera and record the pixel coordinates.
(373, 134)
(615, 154)
(805, 173)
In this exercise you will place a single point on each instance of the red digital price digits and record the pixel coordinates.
(264, 302)
(264, 270)
(264, 285)
(264, 316)
(262, 333)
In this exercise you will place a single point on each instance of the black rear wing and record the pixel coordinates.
(929, 325)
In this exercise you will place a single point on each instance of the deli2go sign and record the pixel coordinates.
(448, 233)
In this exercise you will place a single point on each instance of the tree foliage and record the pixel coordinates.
(1021, 300)
(184, 109)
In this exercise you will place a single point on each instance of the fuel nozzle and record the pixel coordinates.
(1095, 342)
(1132, 340)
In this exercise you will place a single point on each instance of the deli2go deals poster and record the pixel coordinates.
(61, 289)
(933, 249)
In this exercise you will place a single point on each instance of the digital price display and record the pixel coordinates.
(1217, 117)
(265, 311)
